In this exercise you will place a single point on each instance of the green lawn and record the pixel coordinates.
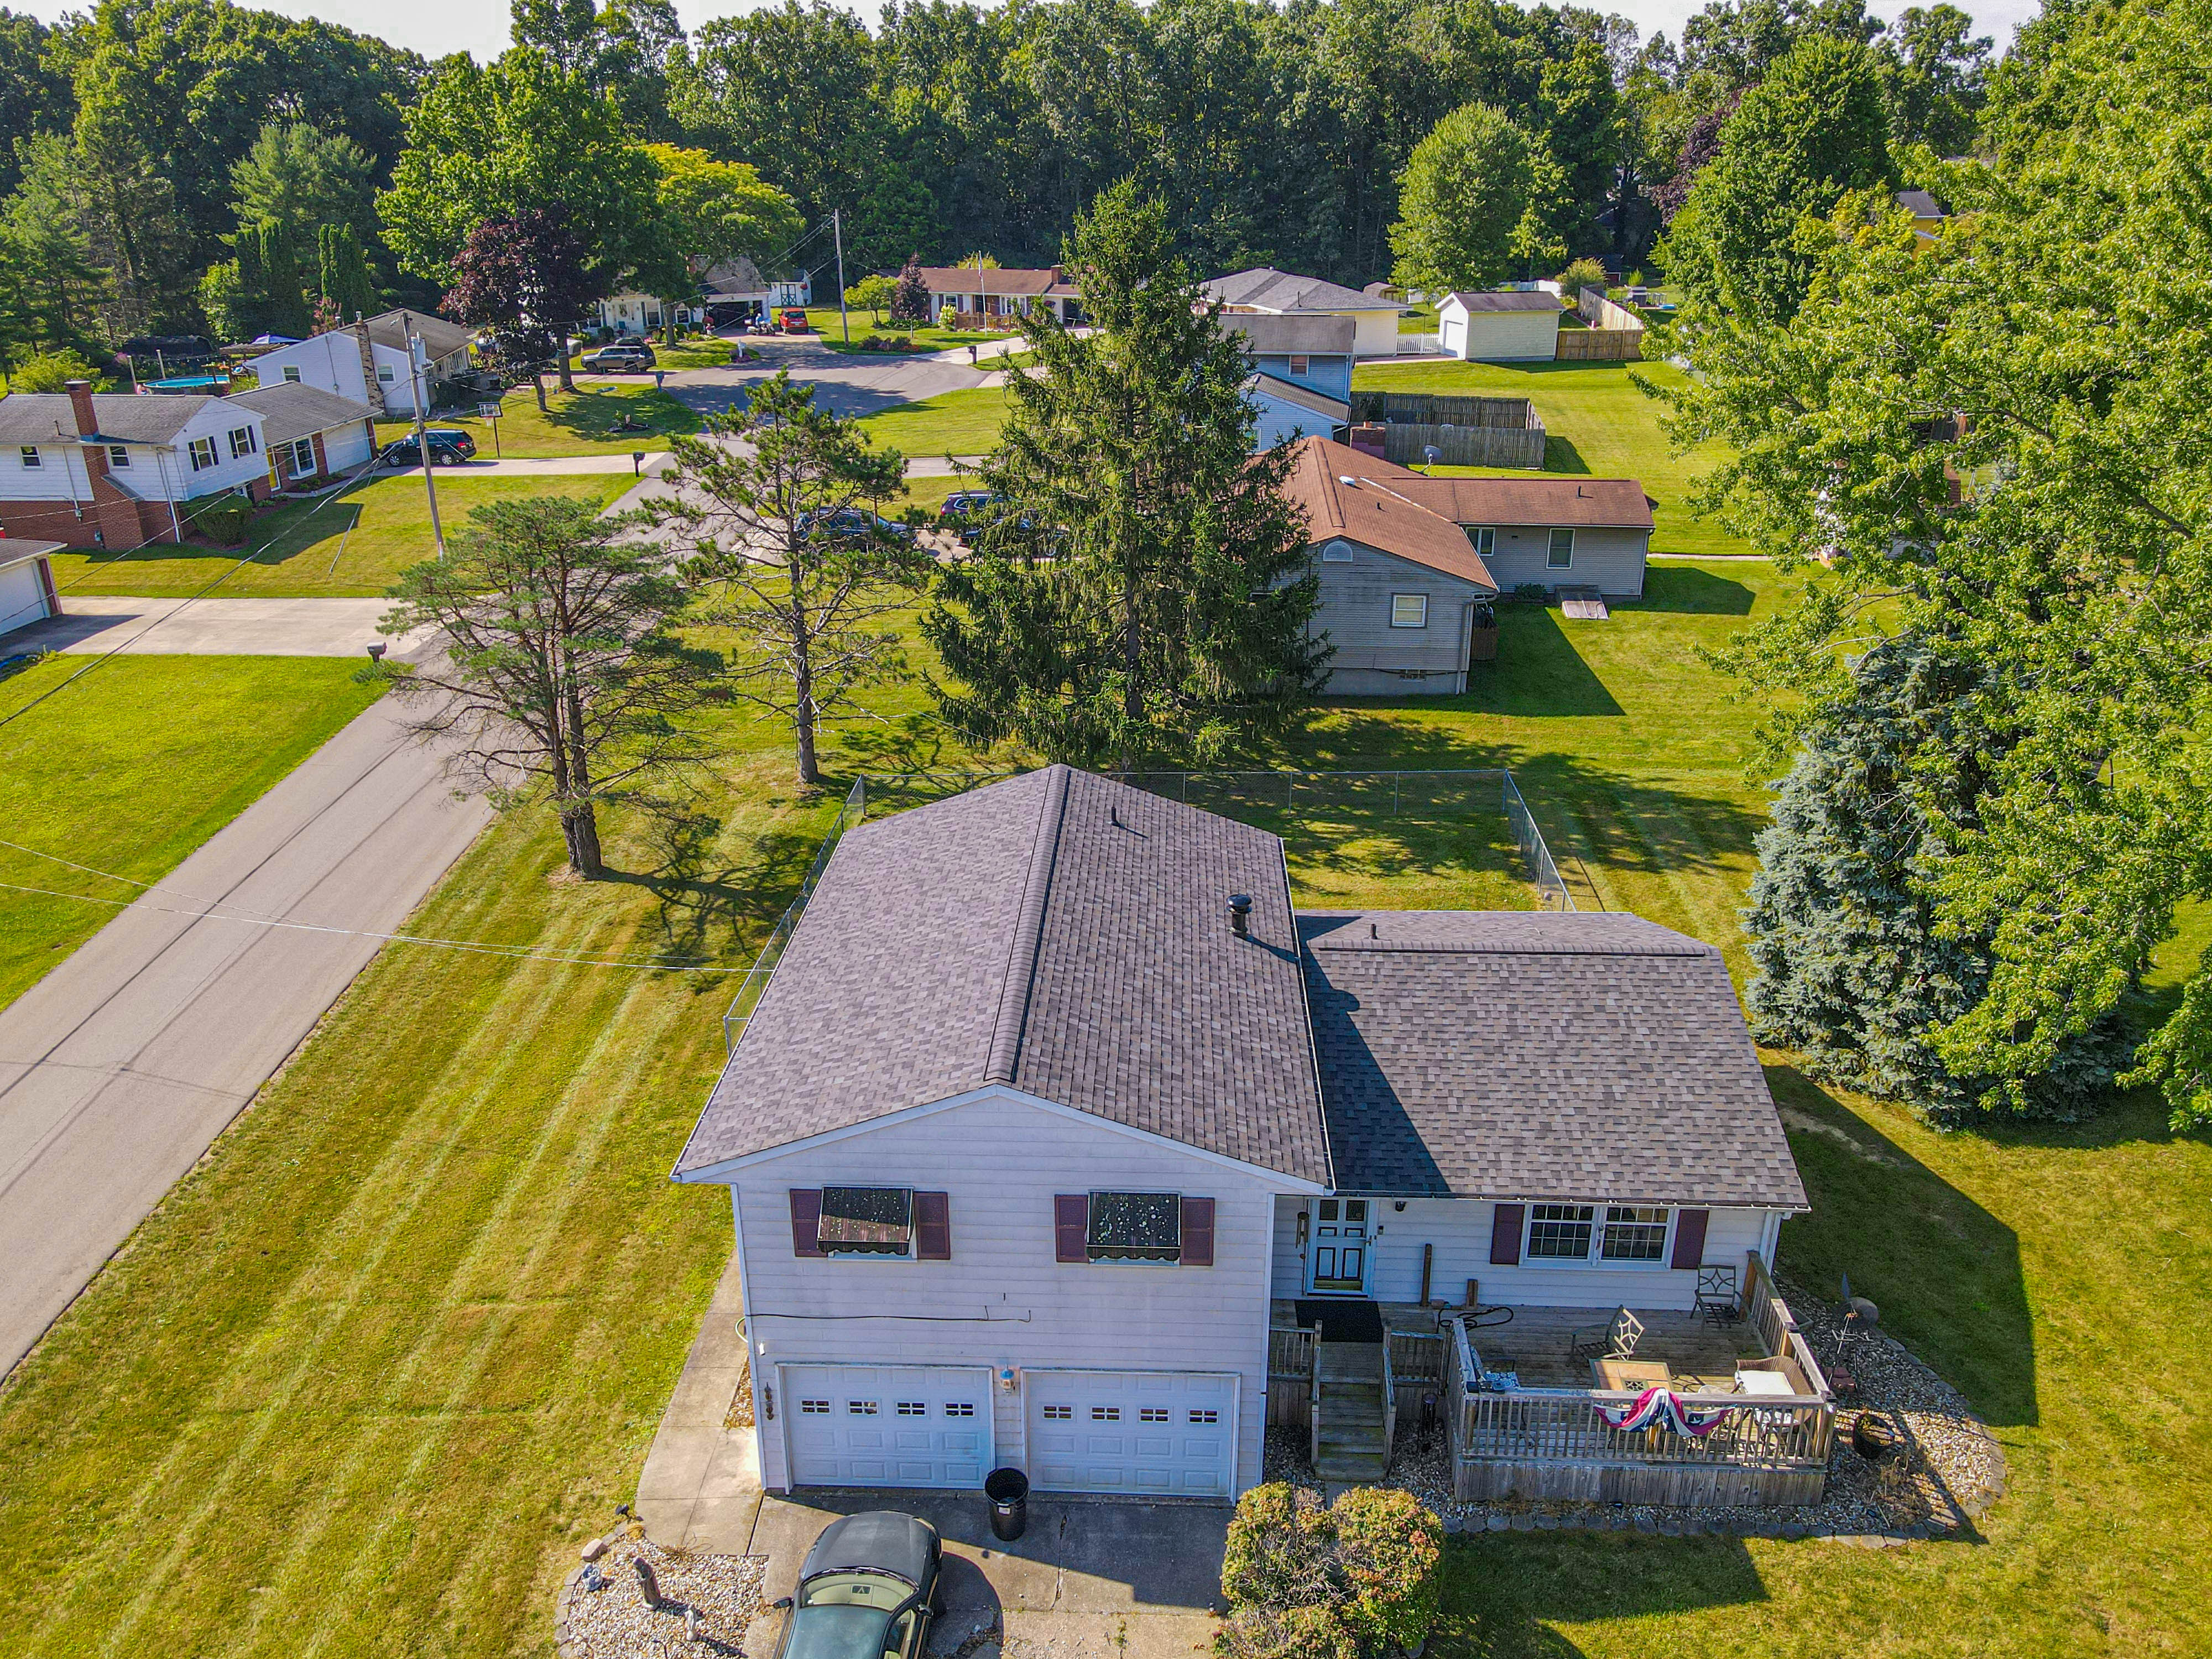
(581, 422)
(356, 544)
(927, 336)
(1595, 423)
(133, 768)
(365, 1380)
(964, 422)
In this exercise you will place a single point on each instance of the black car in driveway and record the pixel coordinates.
(867, 1590)
(449, 446)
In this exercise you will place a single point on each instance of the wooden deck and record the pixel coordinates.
(1534, 1346)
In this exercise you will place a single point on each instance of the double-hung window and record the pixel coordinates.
(1633, 1232)
(1134, 1227)
(1409, 611)
(1299, 366)
(1483, 538)
(291, 374)
(243, 442)
(303, 456)
(1561, 1232)
(32, 459)
(118, 456)
(1561, 555)
(202, 454)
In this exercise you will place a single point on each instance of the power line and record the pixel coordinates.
(511, 952)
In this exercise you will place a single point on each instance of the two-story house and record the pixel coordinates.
(1265, 291)
(367, 361)
(112, 470)
(1301, 381)
(1052, 1095)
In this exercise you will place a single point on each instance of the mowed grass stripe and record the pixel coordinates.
(589, 1092)
(403, 1183)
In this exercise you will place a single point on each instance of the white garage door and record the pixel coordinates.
(1153, 1432)
(887, 1425)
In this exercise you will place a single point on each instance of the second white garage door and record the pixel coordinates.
(887, 1425)
(1149, 1432)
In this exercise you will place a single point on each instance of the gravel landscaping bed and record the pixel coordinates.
(706, 1601)
(1943, 1469)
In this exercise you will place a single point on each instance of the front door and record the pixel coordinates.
(1340, 1246)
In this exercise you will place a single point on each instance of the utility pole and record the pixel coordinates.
(837, 234)
(418, 388)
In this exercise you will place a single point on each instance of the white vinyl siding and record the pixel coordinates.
(1459, 1229)
(1608, 558)
(1004, 1300)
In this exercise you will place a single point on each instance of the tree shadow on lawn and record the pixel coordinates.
(1501, 1589)
(1683, 590)
(714, 907)
(598, 416)
(1538, 673)
(1945, 1273)
(275, 538)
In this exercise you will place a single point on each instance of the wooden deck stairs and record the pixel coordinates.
(1349, 1449)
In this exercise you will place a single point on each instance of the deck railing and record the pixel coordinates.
(1777, 1330)
(1390, 1410)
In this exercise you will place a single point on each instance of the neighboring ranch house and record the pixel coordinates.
(1405, 561)
(367, 361)
(1301, 383)
(110, 469)
(1268, 292)
(999, 291)
(1053, 1106)
(731, 291)
(311, 435)
(1498, 328)
(27, 594)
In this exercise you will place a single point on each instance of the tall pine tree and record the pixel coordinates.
(1143, 591)
(341, 272)
(1848, 965)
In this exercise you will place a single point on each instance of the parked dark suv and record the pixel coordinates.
(449, 446)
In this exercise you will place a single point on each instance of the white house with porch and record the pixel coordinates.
(1059, 1140)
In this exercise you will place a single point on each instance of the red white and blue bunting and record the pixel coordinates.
(1657, 1409)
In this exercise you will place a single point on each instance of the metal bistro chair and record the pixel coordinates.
(1717, 1301)
(1616, 1339)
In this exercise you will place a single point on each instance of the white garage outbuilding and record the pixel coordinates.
(1134, 1431)
(887, 1425)
(1499, 328)
(26, 584)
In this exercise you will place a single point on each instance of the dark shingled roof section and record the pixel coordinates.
(1058, 932)
(1523, 1054)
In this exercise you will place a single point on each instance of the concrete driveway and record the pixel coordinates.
(1103, 1578)
(94, 624)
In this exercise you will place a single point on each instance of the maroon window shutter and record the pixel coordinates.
(1070, 1227)
(1198, 1232)
(806, 1221)
(1506, 1235)
(1689, 1238)
(933, 1226)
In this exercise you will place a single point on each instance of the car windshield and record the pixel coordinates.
(838, 1632)
(866, 1589)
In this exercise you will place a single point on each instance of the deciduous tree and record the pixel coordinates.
(1469, 203)
(561, 671)
(527, 278)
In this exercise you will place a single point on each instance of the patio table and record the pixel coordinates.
(1630, 1374)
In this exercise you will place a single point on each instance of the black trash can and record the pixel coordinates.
(1009, 1493)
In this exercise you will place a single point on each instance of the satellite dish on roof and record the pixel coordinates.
(1347, 481)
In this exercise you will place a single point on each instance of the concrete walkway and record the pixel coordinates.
(121, 1065)
(92, 624)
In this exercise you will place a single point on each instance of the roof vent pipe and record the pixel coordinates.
(1240, 914)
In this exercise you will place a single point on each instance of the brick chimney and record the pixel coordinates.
(80, 394)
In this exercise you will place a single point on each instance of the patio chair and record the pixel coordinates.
(1615, 1339)
(1717, 1303)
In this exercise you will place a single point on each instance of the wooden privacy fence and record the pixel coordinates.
(1615, 333)
(1438, 409)
(1408, 444)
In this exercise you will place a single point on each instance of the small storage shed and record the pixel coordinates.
(1499, 328)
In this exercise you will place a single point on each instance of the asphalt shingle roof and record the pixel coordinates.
(1060, 933)
(292, 408)
(30, 417)
(1485, 299)
(1282, 290)
(1520, 1054)
(1313, 334)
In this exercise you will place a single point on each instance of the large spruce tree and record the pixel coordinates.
(1141, 592)
(1849, 966)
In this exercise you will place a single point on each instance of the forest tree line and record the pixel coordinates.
(152, 144)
